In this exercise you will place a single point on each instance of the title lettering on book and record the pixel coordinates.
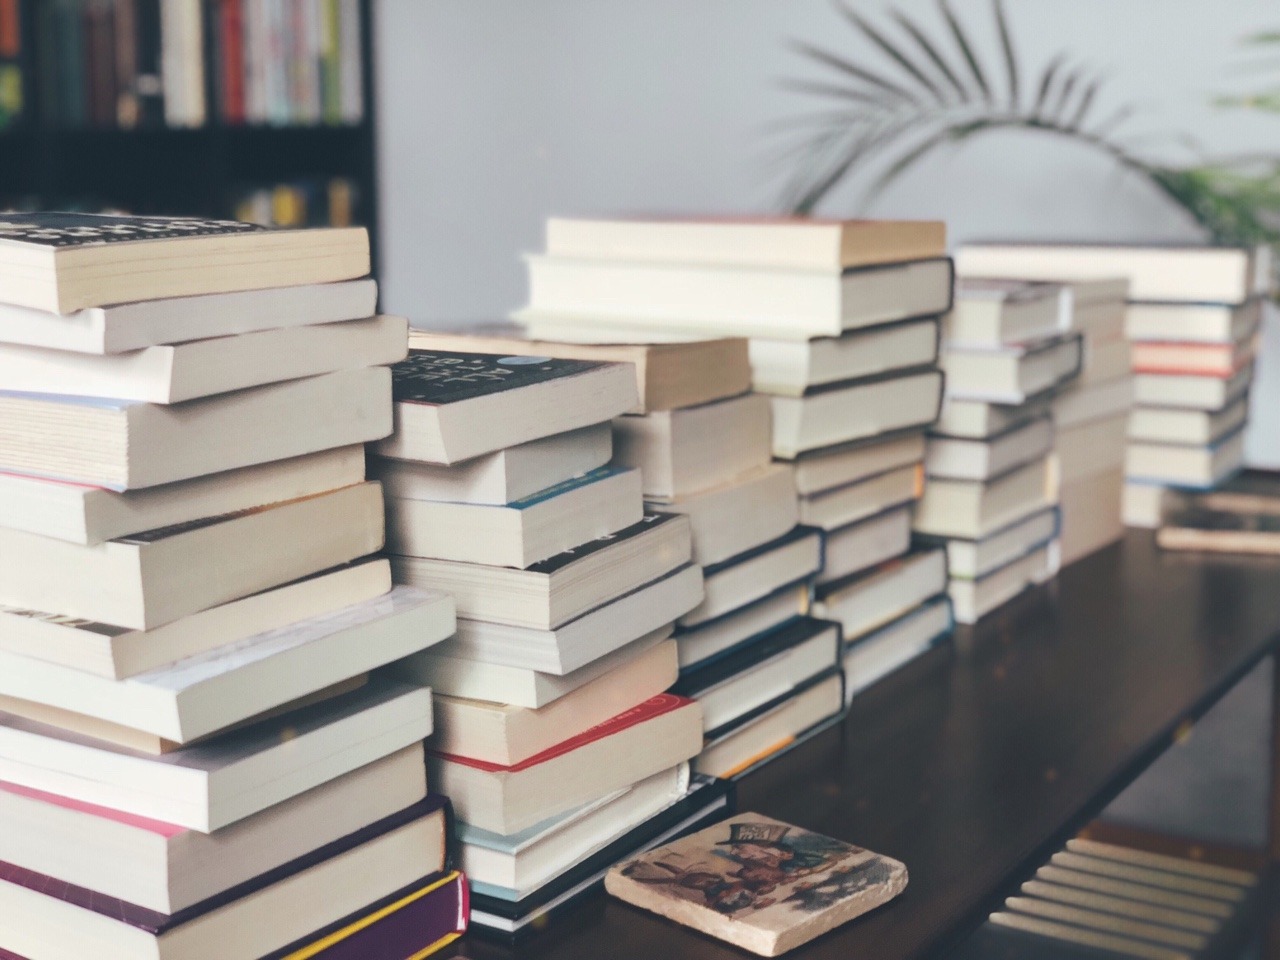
(84, 229)
(441, 376)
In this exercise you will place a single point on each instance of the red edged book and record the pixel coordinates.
(1222, 360)
(653, 736)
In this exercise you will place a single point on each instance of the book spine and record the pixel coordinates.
(72, 58)
(352, 62)
(126, 64)
(330, 63)
(12, 71)
(149, 85)
(233, 61)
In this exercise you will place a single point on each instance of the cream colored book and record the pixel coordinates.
(739, 516)
(760, 884)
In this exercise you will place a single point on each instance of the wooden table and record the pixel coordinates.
(975, 763)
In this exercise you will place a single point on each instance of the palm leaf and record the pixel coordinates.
(962, 41)
(924, 43)
(829, 90)
(1010, 58)
(893, 91)
(891, 50)
(1046, 83)
(1086, 101)
(1068, 86)
(910, 158)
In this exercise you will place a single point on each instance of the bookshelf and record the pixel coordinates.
(208, 169)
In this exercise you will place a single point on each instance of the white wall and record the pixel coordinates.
(496, 113)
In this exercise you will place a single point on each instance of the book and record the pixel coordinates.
(495, 914)
(669, 376)
(209, 692)
(1193, 359)
(719, 637)
(126, 327)
(156, 577)
(842, 412)
(513, 867)
(958, 458)
(740, 515)
(842, 465)
(208, 786)
(862, 545)
(364, 867)
(1197, 528)
(91, 515)
(551, 593)
(715, 299)
(116, 653)
(1142, 504)
(655, 735)
(786, 243)
(773, 666)
(204, 368)
(867, 601)
(516, 686)
(974, 599)
(738, 581)
(1092, 514)
(992, 313)
(502, 477)
(1185, 466)
(452, 406)
(1178, 273)
(680, 452)
(1105, 361)
(123, 445)
(1190, 392)
(757, 883)
(839, 507)
(63, 262)
(1193, 322)
(1011, 374)
(974, 509)
(518, 534)
(1091, 448)
(973, 558)
(503, 734)
(573, 645)
(1252, 491)
(980, 420)
(1076, 405)
(790, 367)
(173, 868)
(869, 659)
(1190, 427)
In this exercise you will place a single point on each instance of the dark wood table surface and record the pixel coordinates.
(976, 762)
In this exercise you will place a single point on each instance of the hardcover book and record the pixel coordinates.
(758, 883)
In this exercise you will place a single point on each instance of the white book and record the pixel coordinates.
(1092, 514)
(972, 559)
(840, 413)
(1190, 427)
(992, 313)
(147, 323)
(1010, 374)
(118, 652)
(731, 585)
(1105, 361)
(203, 694)
(841, 506)
(204, 368)
(957, 458)
(1090, 449)
(886, 592)
(862, 545)
(840, 466)
(790, 367)
(782, 304)
(125, 445)
(504, 476)
(979, 420)
(1185, 466)
(682, 452)
(209, 786)
(974, 599)
(1193, 322)
(972, 509)
(740, 515)
(1189, 392)
(701, 643)
(518, 534)
(1084, 403)
(1142, 504)
(894, 645)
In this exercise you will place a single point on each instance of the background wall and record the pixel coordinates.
(496, 113)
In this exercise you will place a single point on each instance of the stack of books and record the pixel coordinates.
(1192, 322)
(841, 319)
(990, 497)
(196, 730)
(556, 738)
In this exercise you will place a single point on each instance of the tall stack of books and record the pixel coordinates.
(990, 496)
(195, 728)
(556, 739)
(841, 319)
(1192, 322)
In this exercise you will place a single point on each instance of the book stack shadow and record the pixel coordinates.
(556, 738)
(197, 729)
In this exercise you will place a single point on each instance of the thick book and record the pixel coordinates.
(832, 509)
(62, 262)
(204, 368)
(992, 313)
(974, 509)
(1193, 322)
(959, 458)
(1193, 359)
(124, 445)
(974, 558)
(1080, 403)
(848, 463)
(153, 578)
(740, 515)
(1179, 273)
(204, 694)
(56, 918)
(796, 243)
(759, 884)
(869, 659)
(452, 406)
(1190, 392)
(208, 786)
(1195, 528)
(1087, 449)
(738, 581)
(126, 327)
(1011, 374)
(173, 868)
(980, 420)
(861, 545)
(867, 601)
(739, 301)
(1195, 467)
(669, 376)
(1192, 427)
(974, 599)
(661, 732)
(724, 635)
